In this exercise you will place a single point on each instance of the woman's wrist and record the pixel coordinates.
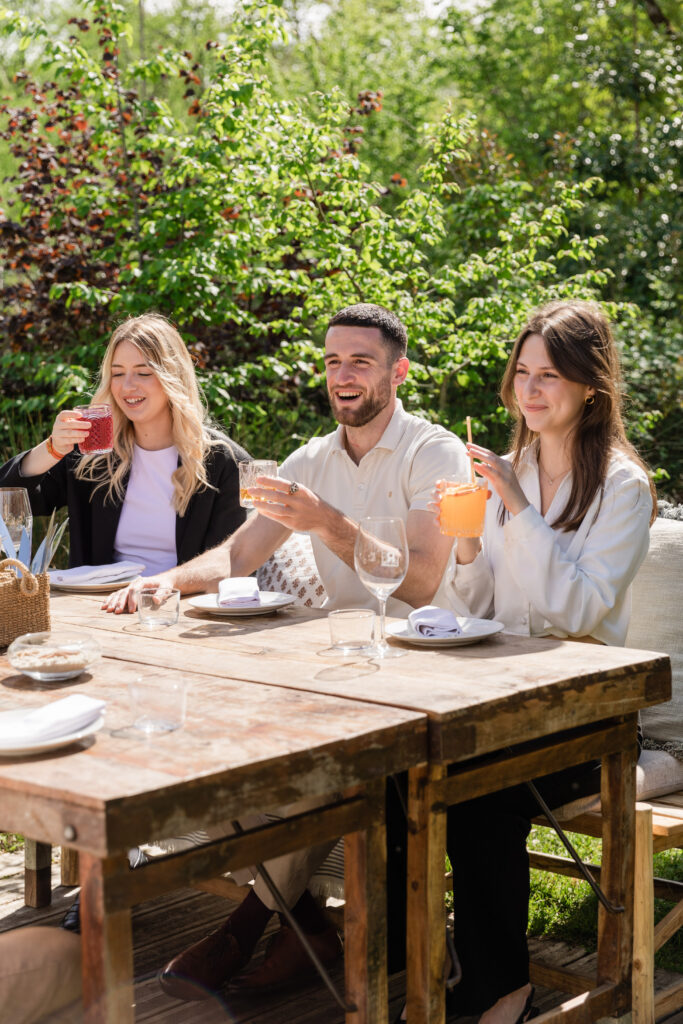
(52, 451)
(467, 550)
(39, 460)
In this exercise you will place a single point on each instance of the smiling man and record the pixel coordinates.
(380, 461)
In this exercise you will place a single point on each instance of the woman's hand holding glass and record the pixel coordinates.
(69, 429)
(501, 477)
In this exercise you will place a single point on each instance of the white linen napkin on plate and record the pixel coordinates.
(238, 590)
(49, 722)
(83, 574)
(433, 621)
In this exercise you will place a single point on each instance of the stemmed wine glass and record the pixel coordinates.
(15, 510)
(381, 560)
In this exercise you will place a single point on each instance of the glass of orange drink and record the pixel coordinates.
(462, 507)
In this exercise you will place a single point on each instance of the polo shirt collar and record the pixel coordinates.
(389, 439)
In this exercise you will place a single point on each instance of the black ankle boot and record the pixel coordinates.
(72, 919)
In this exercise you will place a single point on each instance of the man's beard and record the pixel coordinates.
(376, 401)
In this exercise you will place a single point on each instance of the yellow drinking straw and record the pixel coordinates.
(468, 421)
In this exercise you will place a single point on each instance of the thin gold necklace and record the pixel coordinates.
(551, 479)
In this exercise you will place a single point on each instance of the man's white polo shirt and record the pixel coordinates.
(395, 477)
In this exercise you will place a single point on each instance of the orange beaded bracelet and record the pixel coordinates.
(51, 450)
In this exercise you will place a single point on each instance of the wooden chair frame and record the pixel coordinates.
(659, 826)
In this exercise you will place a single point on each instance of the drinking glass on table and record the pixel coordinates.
(15, 509)
(381, 560)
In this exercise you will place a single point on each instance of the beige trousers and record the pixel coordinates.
(290, 873)
(40, 975)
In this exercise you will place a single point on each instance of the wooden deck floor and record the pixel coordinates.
(166, 925)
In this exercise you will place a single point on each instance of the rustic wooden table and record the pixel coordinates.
(244, 749)
(501, 711)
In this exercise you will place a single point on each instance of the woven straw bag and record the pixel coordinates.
(24, 603)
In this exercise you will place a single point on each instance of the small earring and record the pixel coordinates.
(589, 399)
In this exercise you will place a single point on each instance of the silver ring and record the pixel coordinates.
(293, 488)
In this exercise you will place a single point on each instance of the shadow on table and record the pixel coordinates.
(22, 682)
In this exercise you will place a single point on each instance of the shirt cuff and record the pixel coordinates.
(471, 570)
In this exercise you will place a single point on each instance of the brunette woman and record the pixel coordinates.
(566, 529)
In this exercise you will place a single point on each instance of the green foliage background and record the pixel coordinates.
(247, 172)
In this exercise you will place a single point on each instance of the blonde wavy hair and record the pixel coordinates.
(166, 354)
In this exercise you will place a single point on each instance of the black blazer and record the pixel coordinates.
(211, 516)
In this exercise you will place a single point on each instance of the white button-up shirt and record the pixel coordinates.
(392, 479)
(539, 581)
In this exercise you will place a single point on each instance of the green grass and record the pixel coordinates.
(565, 908)
(10, 842)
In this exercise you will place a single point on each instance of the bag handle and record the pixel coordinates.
(29, 583)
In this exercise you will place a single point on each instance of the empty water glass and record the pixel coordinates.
(158, 703)
(158, 607)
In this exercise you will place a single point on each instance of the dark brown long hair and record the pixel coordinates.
(579, 342)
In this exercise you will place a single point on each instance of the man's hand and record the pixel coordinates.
(126, 599)
(292, 505)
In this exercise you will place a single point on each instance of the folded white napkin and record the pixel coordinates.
(71, 714)
(97, 573)
(238, 590)
(433, 621)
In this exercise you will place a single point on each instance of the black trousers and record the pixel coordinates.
(486, 842)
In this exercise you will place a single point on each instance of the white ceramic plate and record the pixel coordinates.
(7, 750)
(270, 602)
(91, 588)
(473, 630)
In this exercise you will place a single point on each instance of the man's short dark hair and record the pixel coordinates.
(365, 314)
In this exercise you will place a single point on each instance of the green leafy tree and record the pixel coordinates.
(251, 219)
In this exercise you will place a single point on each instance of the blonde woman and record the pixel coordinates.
(169, 489)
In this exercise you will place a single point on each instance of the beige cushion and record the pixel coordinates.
(40, 973)
(657, 622)
(292, 570)
(657, 773)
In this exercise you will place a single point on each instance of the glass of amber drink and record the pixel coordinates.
(462, 507)
(248, 473)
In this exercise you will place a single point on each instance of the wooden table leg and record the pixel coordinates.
(365, 913)
(69, 866)
(615, 931)
(107, 946)
(426, 911)
(37, 874)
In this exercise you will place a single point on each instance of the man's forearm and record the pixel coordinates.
(202, 572)
(418, 588)
(338, 532)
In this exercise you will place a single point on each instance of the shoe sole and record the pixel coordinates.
(183, 989)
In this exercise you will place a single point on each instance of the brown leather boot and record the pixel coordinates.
(287, 963)
(204, 968)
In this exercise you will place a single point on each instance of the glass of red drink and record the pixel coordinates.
(101, 436)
